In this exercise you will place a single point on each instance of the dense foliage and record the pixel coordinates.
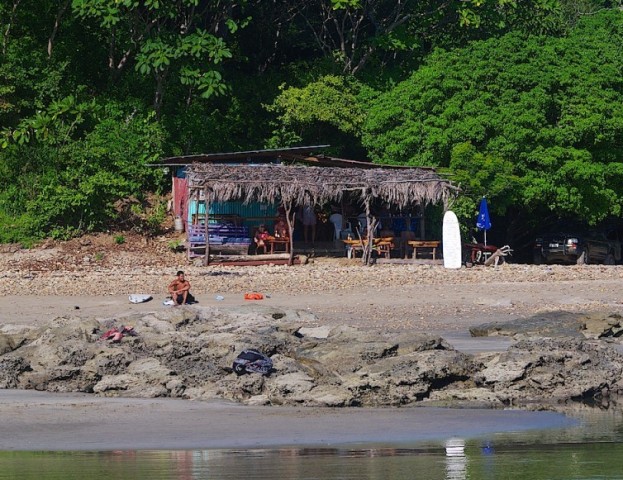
(520, 101)
(534, 122)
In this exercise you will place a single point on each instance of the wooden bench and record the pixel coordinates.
(384, 247)
(432, 245)
(195, 240)
(221, 237)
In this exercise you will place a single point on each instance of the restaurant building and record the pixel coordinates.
(240, 191)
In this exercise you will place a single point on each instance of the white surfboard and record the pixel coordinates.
(451, 237)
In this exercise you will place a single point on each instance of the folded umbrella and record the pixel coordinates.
(483, 222)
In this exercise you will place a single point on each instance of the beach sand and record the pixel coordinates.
(36, 288)
(421, 307)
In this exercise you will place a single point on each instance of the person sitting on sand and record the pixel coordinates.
(179, 289)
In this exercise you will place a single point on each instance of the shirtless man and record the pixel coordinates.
(179, 290)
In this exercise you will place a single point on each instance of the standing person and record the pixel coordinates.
(337, 221)
(179, 289)
(308, 217)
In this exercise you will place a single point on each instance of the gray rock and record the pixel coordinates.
(187, 352)
(552, 324)
(464, 396)
(316, 332)
(7, 344)
(291, 384)
(600, 325)
(557, 369)
(556, 324)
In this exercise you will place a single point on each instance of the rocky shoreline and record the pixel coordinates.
(339, 333)
(187, 353)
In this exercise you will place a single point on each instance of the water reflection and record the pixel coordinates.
(456, 461)
(592, 450)
(434, 462)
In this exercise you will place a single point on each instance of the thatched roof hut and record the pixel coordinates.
(318, 185)
(302, 185)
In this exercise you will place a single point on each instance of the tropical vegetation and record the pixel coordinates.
(518, 101)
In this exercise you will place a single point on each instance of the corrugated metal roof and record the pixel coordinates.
(305, 155)
(237, 157)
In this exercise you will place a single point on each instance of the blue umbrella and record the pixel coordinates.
(483, 222)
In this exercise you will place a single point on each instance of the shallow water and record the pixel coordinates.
(589, 449)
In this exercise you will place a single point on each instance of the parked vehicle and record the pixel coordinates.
(594, 247)
(603, 248)
(557, 248)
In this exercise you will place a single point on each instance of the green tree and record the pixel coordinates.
(357, 32)
(329, 110)
(183, 40)
(546, 113)
(63, 170)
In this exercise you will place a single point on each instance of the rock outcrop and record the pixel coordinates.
(555, 325)
(188, 353)
(552, 370)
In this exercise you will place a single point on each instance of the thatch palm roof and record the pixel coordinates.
(318, 185)
(301, 185)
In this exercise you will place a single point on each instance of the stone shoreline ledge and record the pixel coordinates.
(187, 353)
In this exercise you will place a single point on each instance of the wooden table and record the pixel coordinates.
(272, 241)
(383, 245)
(427, 244)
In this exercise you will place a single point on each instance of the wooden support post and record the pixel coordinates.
(206, 258)
(422, 223)
(188, 229)
(371, 223)
(290, 221)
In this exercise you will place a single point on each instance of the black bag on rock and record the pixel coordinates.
(252, 361)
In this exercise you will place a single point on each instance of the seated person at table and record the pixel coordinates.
(260, 238)
(281, 228)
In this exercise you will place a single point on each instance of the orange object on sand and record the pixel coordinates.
(253, 296)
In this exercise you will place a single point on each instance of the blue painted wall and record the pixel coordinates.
(253, 214)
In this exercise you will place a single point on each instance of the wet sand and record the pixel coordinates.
(42, 421)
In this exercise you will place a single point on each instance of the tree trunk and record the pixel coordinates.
(7, 31)
(290, 217)
(57, 22)
(160, 77)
